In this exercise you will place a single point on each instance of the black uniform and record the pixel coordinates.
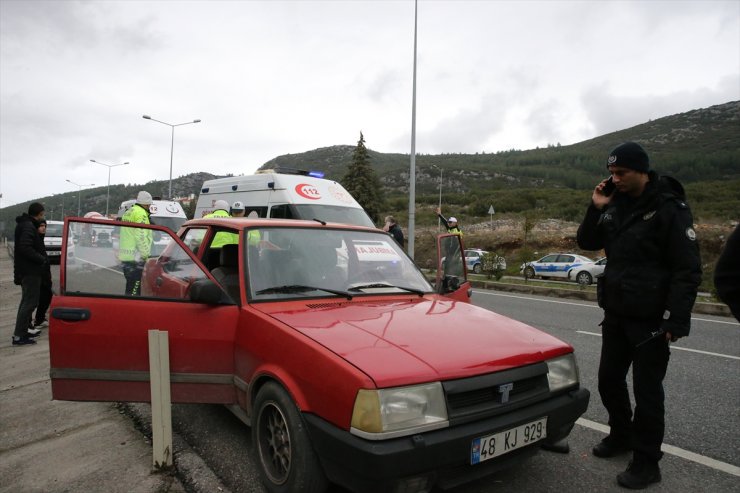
(649, 287)
(727, 273)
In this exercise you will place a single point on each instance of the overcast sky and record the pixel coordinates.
(276, 77)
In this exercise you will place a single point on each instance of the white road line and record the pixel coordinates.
(729, 356)
(594, 305)
(670, 449)
(101, 266)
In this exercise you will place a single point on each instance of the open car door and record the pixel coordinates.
(98, 334)
(452, 277)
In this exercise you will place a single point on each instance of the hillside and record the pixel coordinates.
(700, 147)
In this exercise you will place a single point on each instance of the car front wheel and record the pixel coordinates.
(288, 463)
(584, 278)
(528, 272)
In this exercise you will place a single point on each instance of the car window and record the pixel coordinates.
(193, 238)
(549, 258)
(103, 270)
(567, 259)
(305, 262)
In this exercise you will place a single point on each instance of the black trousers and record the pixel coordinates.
(31, 286)
(132, 271)
(44, 301)
(645, 428)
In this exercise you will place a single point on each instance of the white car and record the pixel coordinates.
(474, 260)
(556, 265)
(586, 273)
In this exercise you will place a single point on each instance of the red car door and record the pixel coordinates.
(98, 333)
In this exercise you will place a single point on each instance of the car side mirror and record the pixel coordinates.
(205, 291)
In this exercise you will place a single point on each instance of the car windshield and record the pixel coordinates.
(172, 223)
(308, 262)
(332, 214)
(54, 229)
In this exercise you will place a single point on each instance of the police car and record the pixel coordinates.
(474, 260)
(586, 273)
(557, 265)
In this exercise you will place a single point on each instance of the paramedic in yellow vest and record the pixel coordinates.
(450, 224)
(221, 209)
(135, 244)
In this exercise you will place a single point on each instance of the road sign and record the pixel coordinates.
(491, 211)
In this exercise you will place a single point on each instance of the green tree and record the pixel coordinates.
(362, 182)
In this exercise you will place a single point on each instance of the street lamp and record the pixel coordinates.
(79, 194)
(440, 194)
(172, 145)
(107, 196)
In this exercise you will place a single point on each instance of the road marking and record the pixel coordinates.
(670, 449)
(594, 305)
(729, 356)
(101, 266)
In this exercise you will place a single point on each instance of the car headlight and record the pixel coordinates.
(562, 372)
(387, 413)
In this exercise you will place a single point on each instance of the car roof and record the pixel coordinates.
(245, 222)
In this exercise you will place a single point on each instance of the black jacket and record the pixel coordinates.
(29, 256)
(727, 273)
(397, 233)
(653, 270)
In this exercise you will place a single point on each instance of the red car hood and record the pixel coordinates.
(405, 341)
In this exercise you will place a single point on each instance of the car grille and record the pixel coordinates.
(485, 395)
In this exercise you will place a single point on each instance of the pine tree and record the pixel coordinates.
(362, 182)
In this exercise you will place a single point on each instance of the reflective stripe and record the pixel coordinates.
(138, 376)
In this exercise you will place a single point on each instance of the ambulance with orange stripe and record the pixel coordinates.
(285, 194)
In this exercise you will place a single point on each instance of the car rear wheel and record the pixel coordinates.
(529, 272)
(477, 268)
(288, 463)
(584, 278)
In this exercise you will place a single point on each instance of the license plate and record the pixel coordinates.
(52, 254)
(490, 446)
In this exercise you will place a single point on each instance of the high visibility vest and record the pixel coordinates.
(222, 237)
(455, 231)
(135, 243)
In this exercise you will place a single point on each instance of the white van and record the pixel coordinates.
(278, 194)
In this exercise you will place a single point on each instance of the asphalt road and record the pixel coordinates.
(703, 424)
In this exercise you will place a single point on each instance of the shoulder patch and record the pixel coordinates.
(691, 234)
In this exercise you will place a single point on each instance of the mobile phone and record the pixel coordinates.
(608, 187)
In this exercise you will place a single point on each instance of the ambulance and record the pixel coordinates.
(286, 195)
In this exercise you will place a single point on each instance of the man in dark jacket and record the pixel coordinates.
(727, 273)
(392, 227)
(29, 265)
(647, 291)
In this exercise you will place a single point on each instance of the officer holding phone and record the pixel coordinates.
(647, 291)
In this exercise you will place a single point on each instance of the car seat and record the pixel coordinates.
(227, 273)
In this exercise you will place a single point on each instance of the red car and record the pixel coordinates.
(349, 366)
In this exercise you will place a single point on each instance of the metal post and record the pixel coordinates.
(172, 151)
(412, 170)
(159, 381)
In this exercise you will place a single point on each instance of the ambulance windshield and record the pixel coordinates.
(328, 213)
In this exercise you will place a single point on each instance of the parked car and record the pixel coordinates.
(554, 265)
(474, 260)
(330, 343)
(586, 273)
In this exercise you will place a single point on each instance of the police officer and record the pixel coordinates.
(450, 224)
(221, 209)
(238, 209)
(135, 243)
(647, 291)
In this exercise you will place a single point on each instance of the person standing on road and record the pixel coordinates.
(221, 209)
(647, 291)
(450, 223)
(727, 273)
(238, 209)
(29, 265)
(135, 243)
(46, 286)
(392, 227)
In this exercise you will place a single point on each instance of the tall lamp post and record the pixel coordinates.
(79, 194)
(107, 195)
(439, 221)
(172, 144)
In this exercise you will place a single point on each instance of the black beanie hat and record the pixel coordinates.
(629, 155)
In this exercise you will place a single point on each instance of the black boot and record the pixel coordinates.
(639, 475)
(611, 446)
